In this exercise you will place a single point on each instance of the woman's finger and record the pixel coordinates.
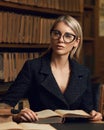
(29, 115)
(96, 116)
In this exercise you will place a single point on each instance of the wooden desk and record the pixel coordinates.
(79, 126)
(5, 119)
(73, 126)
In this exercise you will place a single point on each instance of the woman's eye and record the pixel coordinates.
(57, 33)
(69, 36)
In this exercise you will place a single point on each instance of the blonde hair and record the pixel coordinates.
(75, 26)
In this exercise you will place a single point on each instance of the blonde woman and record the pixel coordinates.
(55, 80)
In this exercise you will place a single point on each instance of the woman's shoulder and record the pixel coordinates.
(79, 66)
(35, 61)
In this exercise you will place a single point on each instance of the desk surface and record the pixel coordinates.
(71, 125)
(79, 126)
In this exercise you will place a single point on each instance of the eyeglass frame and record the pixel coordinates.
(60, 34)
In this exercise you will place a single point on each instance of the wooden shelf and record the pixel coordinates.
(29, 8)
(89, 7)
(89, 39)
(51, 13)
(23, 47)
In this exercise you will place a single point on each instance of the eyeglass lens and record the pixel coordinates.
(68, 37)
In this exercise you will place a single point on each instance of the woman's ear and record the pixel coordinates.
(76, 43)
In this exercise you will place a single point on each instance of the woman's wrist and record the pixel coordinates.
(16, 118)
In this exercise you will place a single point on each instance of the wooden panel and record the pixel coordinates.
(101, 103)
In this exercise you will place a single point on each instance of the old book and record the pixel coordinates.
(1, 25)
(4, 26)
(25, 126)
(1, 67)
(5, 114)
(5, 111)
(59, 116)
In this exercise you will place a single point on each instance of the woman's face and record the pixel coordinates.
(63, 39)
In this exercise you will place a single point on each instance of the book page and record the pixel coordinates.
(73, 112)
(10, 125)
(25, 126)
(35, 126)
(47, 113)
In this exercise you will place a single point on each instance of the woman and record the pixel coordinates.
(55, 80)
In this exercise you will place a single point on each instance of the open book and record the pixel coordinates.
(25, 126)
(59, 116)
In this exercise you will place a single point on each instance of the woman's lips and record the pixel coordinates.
(59, 46)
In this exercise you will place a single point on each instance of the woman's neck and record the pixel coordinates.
(60, 62)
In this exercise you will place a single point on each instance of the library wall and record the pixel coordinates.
(99, 44)
(24, 32)
(99, 64)
(89, 30)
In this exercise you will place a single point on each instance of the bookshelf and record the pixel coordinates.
(99, 44)
(95, 7)
(89, 29)
(23, 25)
(19, 19)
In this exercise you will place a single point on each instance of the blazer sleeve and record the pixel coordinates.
(19, 88)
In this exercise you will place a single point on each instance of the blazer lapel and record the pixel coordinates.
(77, 83)
(49, 82)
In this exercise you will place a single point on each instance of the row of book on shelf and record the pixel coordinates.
(12, 63)
(19, 28)
(65, 5)
(26, 28)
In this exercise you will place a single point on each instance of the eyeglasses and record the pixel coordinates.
(67, 37)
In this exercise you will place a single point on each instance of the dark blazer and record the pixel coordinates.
(37, 82)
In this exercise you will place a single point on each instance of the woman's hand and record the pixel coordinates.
(96, 116)
(26, 115)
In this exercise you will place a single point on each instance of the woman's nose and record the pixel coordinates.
(61, 39)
